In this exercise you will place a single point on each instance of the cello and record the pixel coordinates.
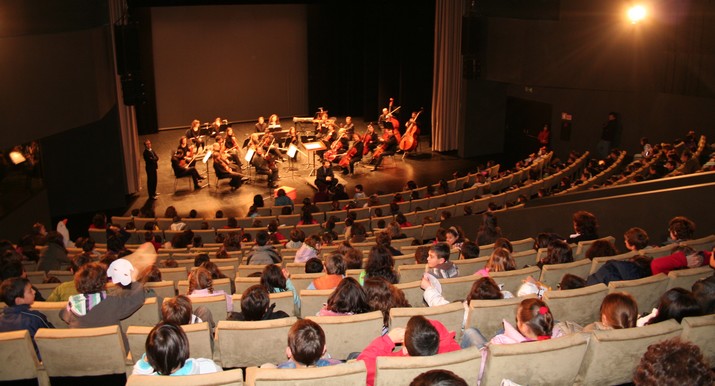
(393, 121)
(345, 161)
(335, 147)
(409, 140)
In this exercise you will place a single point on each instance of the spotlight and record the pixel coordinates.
(637, 13)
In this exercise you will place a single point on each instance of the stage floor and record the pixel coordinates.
(425, 167)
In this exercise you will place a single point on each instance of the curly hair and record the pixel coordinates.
(91, 278)
(558, 252)
(673, 362)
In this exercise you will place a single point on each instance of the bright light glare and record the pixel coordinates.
(637, 13)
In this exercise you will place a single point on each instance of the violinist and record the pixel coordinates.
(182, 169)
(194, 134)
(231, 147)
(353, 155)
(349, 126)
(265, 164)
(321, 123)
(274, 123)
(261, 126)
(269, 147)
(189, 157)
(217, 125)
(387, 147)
(223, 170)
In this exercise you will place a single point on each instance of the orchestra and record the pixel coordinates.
(336, 145)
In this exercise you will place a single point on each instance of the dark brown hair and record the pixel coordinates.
(91, 278)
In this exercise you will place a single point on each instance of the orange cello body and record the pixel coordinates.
(396, 128)
(331, 154)
(345, 161)
(409, 140)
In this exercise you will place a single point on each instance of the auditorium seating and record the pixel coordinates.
(701, 331)
(347, 374)
(232, 377)
(261, 342)
(349, 333)
(148, 314)
(215, 303)
(580, 305)
(282, 300)
(400, 371)
(18, 360)
(487, 315)
(450, 315)
(311, 301)
(551, 274)
(457, 288)
(685, 278)
(646, 291)
(52, 311)
(512, 280)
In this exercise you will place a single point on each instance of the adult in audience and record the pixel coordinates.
(609, 135)
(673, 362)
(489, 231)
(618, 310)
(262, 252)
(421, 337)
(601, 248)
(558, 252)
(348, 299)
(167, 353)
(353, 258)
(256, 305)
(682, 257)
(585, 225)
(680, 229)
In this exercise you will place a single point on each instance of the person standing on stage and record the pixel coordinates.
(609, 135)
(325, 178)
(261, 126)
(151, 161)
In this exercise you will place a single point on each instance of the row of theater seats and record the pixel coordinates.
(597, 358)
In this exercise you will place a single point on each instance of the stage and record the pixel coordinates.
(424, 167)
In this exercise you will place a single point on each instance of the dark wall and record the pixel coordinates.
(648, 210)
(19, 222)
(590, 61)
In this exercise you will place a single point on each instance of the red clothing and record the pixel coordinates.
(327, 282)
(675, 261)
(383, 346)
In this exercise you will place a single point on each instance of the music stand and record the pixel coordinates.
(205, 160)
(248, 158)
(312, 147)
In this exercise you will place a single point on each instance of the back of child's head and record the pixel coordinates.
(12, 288)
(421, 337)
(91, 278)
(348, 297)
(177, 310)
(619, 310)
(503, 242)
(261, 238)
(254, 302)
(335, 265)
(601, 248)
(199, 279)
(314, 265)
(306, 341)
(167, 348)
(441, 250)
(636, 238)
(536, 315)
(200, 259)
(272, 278)
(501, 261)
(484, 288)
(11, 267)
(676, 303)
(704, 292)
(571, 281)
(470, 250)
(421, 254)
(353, 258)
(297, 235)
(438, 378)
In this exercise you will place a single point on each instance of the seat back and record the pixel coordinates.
(411, 272)
(260, 342)
(347, 374)
(62, 276)
(147, 315)
(583, 246)
(524, 258)
(76, 352)
(580, 305)
(523, 245)
(612, 355)
(450, 315)
(469, 267)
(224, 285)
(18, 359)
(283, 301)
(35, 277)
(413, 293)
(247, 269)
(551, 274)
(548, 362)
(487, 315)
(349, 333)
(215, 303)
(228, 378)
(295, 268)
(598, 262)
(512, 280)
(457, 288)
(400, 371)
(701, 331)
(163, 289)
(646, 291)
(46, 288)
(301, 281)
(702, 244)
(657, 252)
(174, 274)
(685, 278)
(199, 336)
(52, 311)
(311, 301)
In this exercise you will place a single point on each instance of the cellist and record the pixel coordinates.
(353, 155)
(388, 147)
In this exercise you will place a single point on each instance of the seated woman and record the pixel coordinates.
(201, 285)
(347, 299)
(256, 305)
(167, 353)
(618, 310)
(558, 252)
(383, 296)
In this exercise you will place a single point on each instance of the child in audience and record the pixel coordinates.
(421, 254)
(275, 280)
(499, 261)
(380, 264)
(167, 353)
(618, 310)
(704, 292)
(179, 310)
(310, 248)
(306, 346)
(383, 296)
(570, 281)
(503, 242)
(455, 237)
(673, 362)
(438, 263)
(438, 378)
(421, 337)
(675, 303)
(348, 299)
(256, 305)
(201, 285)
(335, 269)
(558, 252)
(470, 250)
(297, 236)
(18, 294)
(314, 265)
(601, 248)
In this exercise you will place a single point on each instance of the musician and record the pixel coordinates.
(183, 169)
(223, 170)
(274, 123)
(413, 121)
(389, 145)
(325, 178)
(349, 126)
(321, 123)
(265, 164)
(291, 139)
(231, 147)
(384, 120)
(194, 134)
(328, 138)
(261, 126)
(217, 126)
(269, 147)
(371, 139)
(187, 150)
(356, 155)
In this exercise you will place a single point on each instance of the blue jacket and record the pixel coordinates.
(21, 317)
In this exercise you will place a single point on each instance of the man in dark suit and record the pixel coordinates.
(151, 161)
(325, 178)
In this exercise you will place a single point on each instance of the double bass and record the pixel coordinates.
(395, 123)
(409, 140)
